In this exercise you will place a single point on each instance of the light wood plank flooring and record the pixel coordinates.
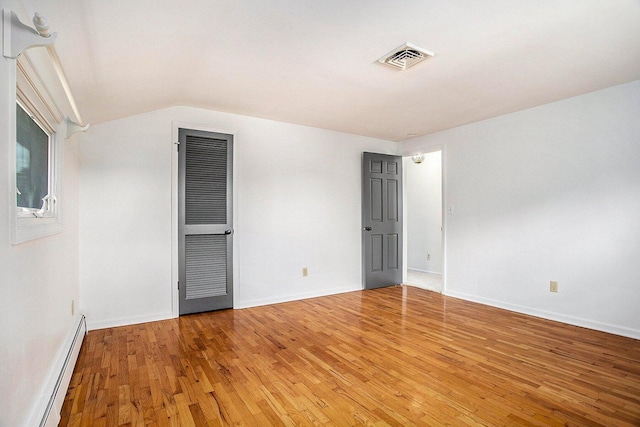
(397, 356)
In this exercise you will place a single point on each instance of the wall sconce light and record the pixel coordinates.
(417, 158)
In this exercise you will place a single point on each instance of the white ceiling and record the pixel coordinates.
(314, 62)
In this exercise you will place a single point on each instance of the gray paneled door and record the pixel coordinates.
(205, 228)
(381, 220)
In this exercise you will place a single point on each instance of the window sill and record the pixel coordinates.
(27, 229)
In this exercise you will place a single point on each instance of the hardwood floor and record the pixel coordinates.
(392, 356)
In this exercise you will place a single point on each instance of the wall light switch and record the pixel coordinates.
(553, 286)
(305, 272)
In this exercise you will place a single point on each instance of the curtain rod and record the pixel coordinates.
(18, 37)
(43, 29)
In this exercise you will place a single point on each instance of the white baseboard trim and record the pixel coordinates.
(570, 320)
(126, 321)
(424, 271)
(47, 410)
(295, 297)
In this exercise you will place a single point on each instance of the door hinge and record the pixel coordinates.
(177, 145)
(178, 285)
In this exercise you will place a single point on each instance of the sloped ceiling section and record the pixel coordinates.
(315, 62)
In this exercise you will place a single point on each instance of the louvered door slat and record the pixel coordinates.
(206, 265)
(205, 181)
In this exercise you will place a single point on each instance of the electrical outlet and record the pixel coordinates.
(553, 286)
(428, 257)
(305, 272)
(73, 309)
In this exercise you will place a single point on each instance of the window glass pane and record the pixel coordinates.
(32, 161)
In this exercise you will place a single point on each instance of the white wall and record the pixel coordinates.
(38, 279)
(296, 198)
(423, 187)
(549, 193)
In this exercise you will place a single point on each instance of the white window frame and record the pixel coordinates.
(48, 208)
(31, 224)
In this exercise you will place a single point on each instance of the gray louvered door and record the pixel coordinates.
(381, 220)
(205, 221)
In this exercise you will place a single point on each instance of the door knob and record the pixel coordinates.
(228, 231)
(367, 228)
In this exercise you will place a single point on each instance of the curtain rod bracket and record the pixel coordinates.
(73, 127)
(18, 36)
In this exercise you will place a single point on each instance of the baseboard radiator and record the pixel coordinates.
(65, 365)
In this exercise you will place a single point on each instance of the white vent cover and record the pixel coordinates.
(405, 56)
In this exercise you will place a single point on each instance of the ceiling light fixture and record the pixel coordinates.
(405, 56)
(417, 158)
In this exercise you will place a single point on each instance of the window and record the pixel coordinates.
(37, 158)
(33, 166)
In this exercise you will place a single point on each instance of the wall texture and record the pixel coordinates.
(549, 193)
(296, 199)
(38, 279)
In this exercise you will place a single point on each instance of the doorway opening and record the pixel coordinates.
(423, 229)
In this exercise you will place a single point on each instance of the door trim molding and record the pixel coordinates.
(175, 126)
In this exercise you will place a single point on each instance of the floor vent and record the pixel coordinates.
(405, 56)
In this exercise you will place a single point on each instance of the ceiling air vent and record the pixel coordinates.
(405, 56)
